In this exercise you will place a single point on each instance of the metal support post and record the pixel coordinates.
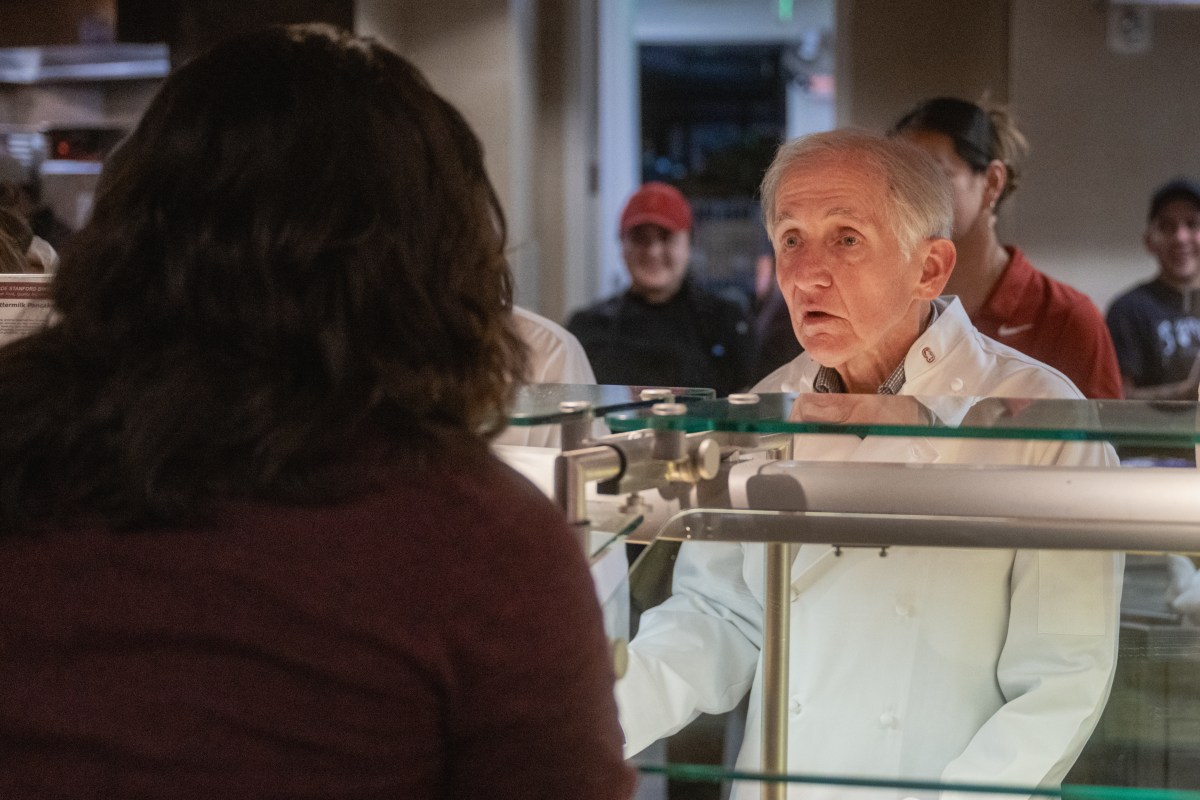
(572, 473)
(776, 632)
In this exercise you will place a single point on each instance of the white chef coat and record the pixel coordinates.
(959, 665)
(555, 356)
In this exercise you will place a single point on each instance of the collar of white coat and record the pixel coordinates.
(937, 365)
(935, 344)
(927, 366)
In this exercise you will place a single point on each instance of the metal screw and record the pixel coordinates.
(743, 399)
(663, 395)
(668, 409)
(573, 406)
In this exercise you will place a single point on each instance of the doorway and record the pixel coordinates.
(699, 96)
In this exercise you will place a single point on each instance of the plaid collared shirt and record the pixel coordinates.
(828, 381)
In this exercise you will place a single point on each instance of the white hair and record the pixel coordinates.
(919, 203)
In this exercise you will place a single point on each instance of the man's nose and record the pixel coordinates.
(1185, 233)
(808, 269)
(651, 245)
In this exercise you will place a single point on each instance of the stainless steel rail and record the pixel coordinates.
(1153, 509)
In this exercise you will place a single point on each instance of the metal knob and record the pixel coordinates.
(620, 654)
(706, 461)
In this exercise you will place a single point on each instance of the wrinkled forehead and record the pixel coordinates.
(847, 184)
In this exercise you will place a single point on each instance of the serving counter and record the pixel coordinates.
(713, 472)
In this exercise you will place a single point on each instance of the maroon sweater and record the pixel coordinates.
(436, 638)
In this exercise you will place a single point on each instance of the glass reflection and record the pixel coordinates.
(1162, 424)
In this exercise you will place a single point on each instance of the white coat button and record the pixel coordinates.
(794, 707)
(956, 385)
(903, 610)
(888, 720)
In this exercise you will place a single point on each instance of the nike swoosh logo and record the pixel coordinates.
(1013, 330)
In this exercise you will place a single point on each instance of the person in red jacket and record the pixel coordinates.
(1004, 295)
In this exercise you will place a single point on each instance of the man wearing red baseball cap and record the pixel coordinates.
(664, 330)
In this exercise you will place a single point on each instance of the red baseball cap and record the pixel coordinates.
(657, 204)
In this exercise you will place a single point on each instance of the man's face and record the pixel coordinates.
(1173, 236)
(657, 260)
(856, 301)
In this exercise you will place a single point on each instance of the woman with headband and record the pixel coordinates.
(1006, 297)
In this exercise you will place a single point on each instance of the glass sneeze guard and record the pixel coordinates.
(1147, 746)
(541, 403)
(1119, 422)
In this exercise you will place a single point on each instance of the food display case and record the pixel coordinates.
(729, 471)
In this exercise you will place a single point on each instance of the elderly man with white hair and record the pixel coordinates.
(953, 665)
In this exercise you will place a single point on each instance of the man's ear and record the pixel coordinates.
(936, 266)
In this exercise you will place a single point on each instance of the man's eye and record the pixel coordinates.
(791, 240)
(850, 240)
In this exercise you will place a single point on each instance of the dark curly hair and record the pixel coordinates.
(297, 251)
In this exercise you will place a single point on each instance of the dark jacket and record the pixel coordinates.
(694, 339)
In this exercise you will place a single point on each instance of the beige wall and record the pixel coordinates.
(1104, 128)
(24, 23)
(479, 55)
(554, 49)
(892, 54)
(462, 47)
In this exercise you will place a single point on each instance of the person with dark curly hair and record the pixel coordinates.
(252, 538)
